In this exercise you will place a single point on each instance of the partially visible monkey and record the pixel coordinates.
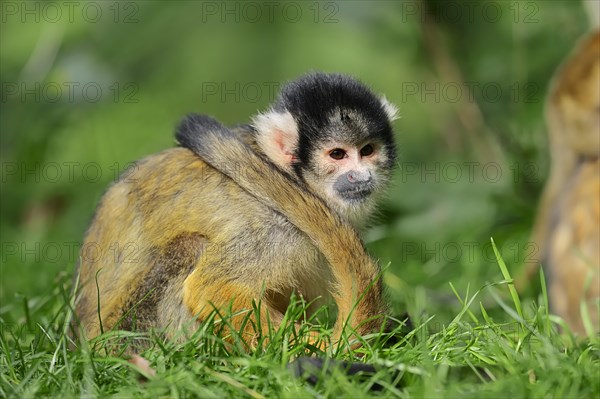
(567, 227)
(174, 238)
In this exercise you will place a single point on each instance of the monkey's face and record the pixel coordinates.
(349, 167)
(348, 177)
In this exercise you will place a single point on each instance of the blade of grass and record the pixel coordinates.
(547, 324)
(507, 277)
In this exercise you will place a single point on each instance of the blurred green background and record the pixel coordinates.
(88, 87)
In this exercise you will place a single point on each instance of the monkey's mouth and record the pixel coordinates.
(356, 194)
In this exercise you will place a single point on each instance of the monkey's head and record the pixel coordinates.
(334, 134)
(574, 106)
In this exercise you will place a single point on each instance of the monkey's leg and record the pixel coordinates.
(229, 283)
(251, 313)
(224, 282)
(203, 297)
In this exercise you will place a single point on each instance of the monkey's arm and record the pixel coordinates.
(355, 272)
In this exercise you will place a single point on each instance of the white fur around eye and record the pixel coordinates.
(277, 136)
(390, 109)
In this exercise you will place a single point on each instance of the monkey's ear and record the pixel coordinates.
(277, 136)
(390, 109)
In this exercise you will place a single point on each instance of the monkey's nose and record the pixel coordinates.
(359, 177)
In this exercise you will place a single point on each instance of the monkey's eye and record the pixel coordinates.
(366, 150)
(338, 153)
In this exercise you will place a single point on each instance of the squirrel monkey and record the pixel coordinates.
(257, 213)
(567, 227)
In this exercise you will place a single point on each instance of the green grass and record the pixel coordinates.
(517, 353)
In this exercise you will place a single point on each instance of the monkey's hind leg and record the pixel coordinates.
(220, 283)
(224, 288)
(232, 303)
